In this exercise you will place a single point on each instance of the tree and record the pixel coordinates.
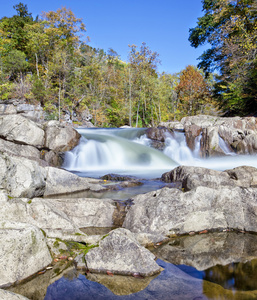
(143, 68)
(230, 28)
(193, 91)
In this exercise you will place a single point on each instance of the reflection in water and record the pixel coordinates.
(235, 279)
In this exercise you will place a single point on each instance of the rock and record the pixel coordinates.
(7, 109)
(60, 138)
(86, 212)
(80, 262)
(247, 145)
(20, 130)
(158, 134)
(23, 252)
(121, 285)
(170, 211)
(192, 177)
(120, 253)
(191, 134)
(21, 177)
(19, 150)
(59, 181)
(205, 251)
(32, 112)
(244, 176)
(5, 295)
(172, 125)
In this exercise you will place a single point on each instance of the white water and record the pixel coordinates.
(128, 151)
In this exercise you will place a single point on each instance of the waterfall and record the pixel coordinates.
(224, 147)
(116, 151)
(128, 152)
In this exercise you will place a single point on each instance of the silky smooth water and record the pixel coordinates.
(129, 152)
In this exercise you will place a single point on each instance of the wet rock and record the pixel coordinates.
(117, 177)
(120, 253)
(121, 285)
(170, 211)
(5, 295)
(23, 251)
(21, 130)
(205, 251)
(158, 134)
(191, 134)
(192, 177)
(60, 181)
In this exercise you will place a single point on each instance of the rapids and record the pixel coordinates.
(129, 152)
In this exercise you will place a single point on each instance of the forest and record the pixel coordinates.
(48, 61)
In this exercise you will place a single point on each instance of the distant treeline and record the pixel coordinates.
(47, 60)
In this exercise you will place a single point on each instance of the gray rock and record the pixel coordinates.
(192, 177)
(21, 177)
(60, 137)
(5, 295)
(170, 211)
(120, 253)
(23, 251)
(59, 181)
(86, 212)
(19, 150)
(21, 130)
(244, 176)
(7, 109)
(30, 111)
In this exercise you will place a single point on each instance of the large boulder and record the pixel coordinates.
(171, 211)
(23, 252)
(21, 130)
(21, 177)
(192, 177)
(120, 253)
(60, 138)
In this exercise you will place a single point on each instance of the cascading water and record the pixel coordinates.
(128, 152)
(119, 151)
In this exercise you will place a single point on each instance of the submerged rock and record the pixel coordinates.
(120, 253)
(23, 251)
(205, 251)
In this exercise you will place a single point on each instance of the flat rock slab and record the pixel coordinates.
(23, 251)
(120, 253)
(59, 181)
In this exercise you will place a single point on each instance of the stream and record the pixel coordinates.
(221, 265)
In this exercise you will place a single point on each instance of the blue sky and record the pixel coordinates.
(163, 25)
